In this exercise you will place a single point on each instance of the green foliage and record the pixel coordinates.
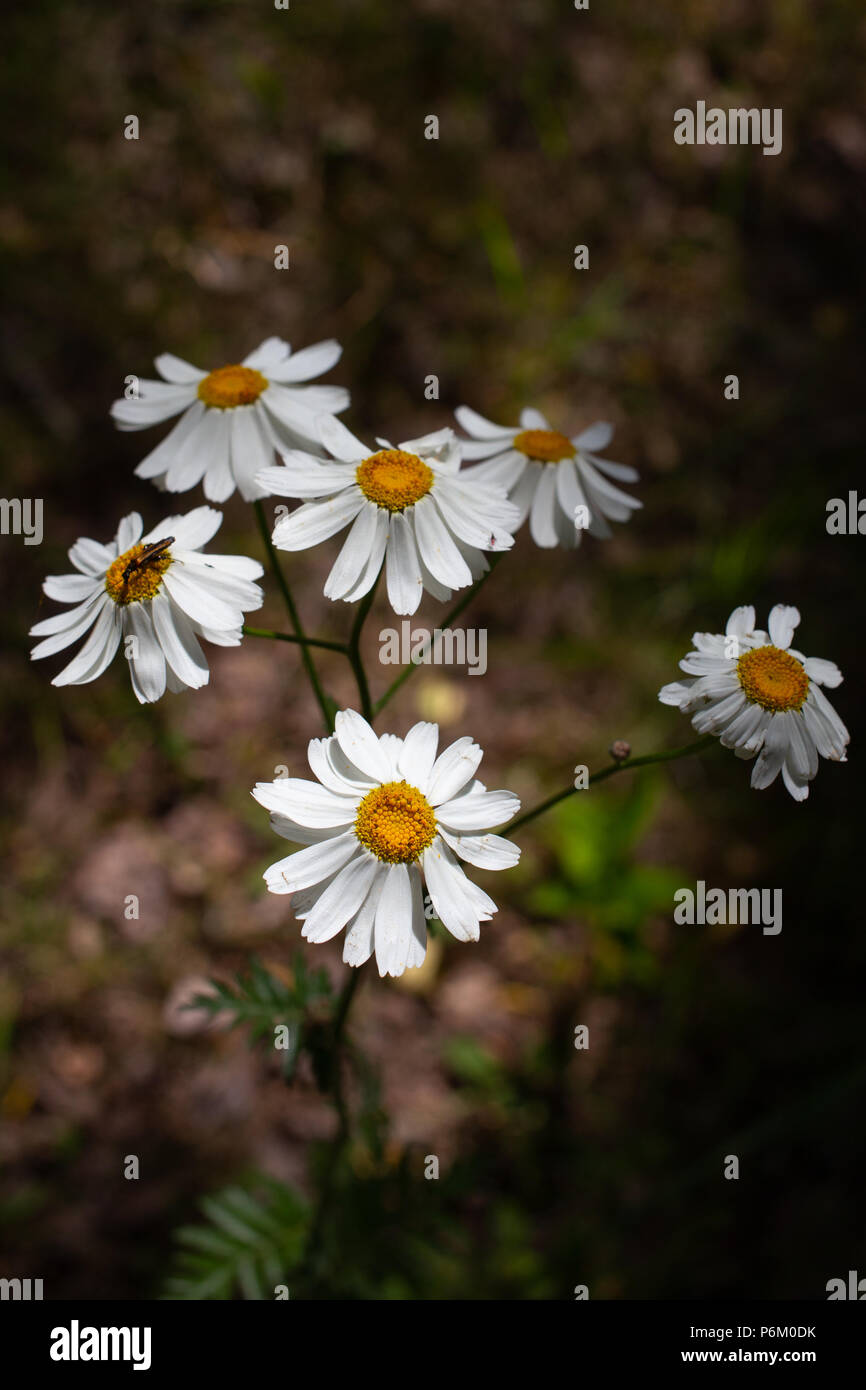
(263, 1003)
(250, 1243)
(594, 838)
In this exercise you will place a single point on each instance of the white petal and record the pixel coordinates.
(177, 370)
(196, 454)
(717, 714)
(314, 522)
(569, 491)
(485, 509)
(676, 693)
(310, 362)
(268, 354)
(437, 446)
(97, 652)
(802, 758)
(746, 730)
(309, 866)
(485, 851)
(741, 622)
(306, 802)
(783, 621)
(65, 628)
(612, 501)
(523, 493)
(477, 425)
(391, 747)
(393, 932)
(195, 596)
(146, 658)
(623, 472)
(453, 768)
(418, 755)
(341, 899)
(361, 745)
(225, 577)
(341, 442)
(92, 558)
(179, 642)
(128, 532)
(436, 547)
(836, 735)
(156, 403)
(597, 436)
(358, 945)
(190, 532)
(402, 569)
(334, 770)
(478, 811)
(824, 672)
(798, 789)
(768, 763)
(154, 464)
(446, 883)
(493, 450)
(541, 524)
(352, 559)
(305, 476)
(70, 588)
(251, 449)
(418, 940)
(533, 420)
(373, 566)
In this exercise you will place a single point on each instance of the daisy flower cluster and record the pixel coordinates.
(389, 823)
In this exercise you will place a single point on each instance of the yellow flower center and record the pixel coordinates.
(135, 576)
(773, 679)
(230, 386)
(395, 822)
(394, 479)
(547, 446)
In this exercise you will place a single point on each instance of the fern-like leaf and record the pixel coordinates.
(251, 1241)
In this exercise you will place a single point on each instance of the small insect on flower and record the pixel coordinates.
(141, 562)
(158, 594)
(762, 698)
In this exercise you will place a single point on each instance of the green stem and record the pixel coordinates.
(294, 616)
(622, 766)
(458, 608)
(353, 651)
(341, 1138)
(290, 637)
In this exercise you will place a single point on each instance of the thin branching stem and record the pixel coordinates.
(294, 616)
(353, 651)
(458, 608)
(622, 765)
(324, 642)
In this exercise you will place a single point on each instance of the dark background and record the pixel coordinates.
(305, 127)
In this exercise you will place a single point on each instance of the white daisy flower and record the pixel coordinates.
(157, 589)
(386, 816)
(408, 505)
(762, 698)
(233, 418)
(549, 476)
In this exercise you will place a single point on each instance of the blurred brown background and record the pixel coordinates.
(305, 127)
